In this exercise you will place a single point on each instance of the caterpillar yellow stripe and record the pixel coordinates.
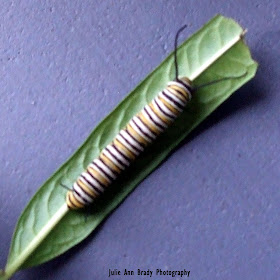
(140, 131)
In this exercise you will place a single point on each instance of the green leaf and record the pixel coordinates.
(46, 228)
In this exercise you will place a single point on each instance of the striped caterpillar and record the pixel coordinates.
(140, 131)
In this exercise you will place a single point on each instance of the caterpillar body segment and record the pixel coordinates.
(141, 130)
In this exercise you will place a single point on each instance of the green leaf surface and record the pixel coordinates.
(205, 56)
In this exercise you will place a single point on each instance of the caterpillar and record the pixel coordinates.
(141, 130)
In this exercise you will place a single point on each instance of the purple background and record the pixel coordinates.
(212, 207)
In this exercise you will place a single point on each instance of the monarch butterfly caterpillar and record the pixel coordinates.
(140, 131)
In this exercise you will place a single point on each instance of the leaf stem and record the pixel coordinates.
(41, 235)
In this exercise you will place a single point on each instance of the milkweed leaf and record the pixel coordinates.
(214, 52)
